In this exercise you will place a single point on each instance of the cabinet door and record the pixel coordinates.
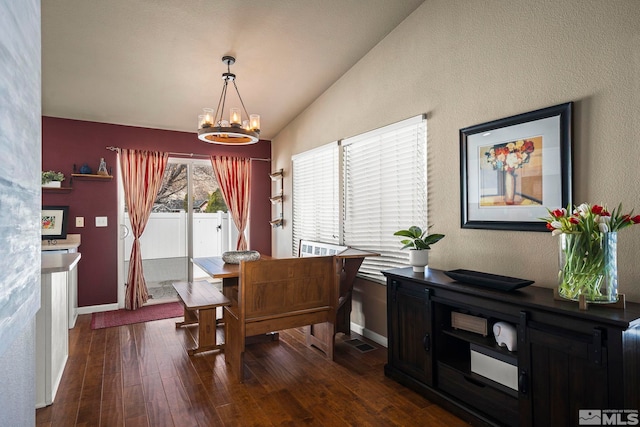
(410, 330)
(568, 373)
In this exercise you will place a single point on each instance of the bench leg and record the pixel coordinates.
(190, 318)
(206, 332)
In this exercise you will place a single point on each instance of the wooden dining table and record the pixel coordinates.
(215, 267)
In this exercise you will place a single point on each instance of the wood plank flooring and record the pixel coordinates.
(141, 375)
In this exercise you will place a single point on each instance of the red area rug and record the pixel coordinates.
(108, 319)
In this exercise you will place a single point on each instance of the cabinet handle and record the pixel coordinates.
(426, 342)
(523, 382)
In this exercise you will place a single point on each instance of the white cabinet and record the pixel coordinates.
(52, 324)
(68, 245)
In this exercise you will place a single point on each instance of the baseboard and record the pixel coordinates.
(373, 336)
(97, 308)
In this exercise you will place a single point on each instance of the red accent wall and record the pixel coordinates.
(67, 142)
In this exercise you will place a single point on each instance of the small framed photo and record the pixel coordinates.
(513, 169)
(54, 222)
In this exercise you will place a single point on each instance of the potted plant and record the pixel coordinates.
(52, 179)
(420, 243)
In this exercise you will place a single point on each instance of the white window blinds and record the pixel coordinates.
(385, 190)
(316, 196)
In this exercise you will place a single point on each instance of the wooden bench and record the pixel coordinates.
(279, 294)
(200, 300)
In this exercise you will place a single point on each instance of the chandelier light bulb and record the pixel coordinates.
(207, 118)
(255, 122)
(235, 116)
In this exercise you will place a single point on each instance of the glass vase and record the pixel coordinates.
(588, 266)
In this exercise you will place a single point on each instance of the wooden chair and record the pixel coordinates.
(279, 294)
(349, 261)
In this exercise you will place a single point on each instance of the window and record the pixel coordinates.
(316, 196)
(383, 189)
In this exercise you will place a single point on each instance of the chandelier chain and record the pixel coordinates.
(239, 97)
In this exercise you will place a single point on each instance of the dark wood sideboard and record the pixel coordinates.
(567, 360)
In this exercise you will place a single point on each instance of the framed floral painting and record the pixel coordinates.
(512, 169)
(54, 222)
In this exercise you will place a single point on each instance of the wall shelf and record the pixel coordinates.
(277, 197)
(56, 189)
(91, 177)
(277, 175)
(278, 222)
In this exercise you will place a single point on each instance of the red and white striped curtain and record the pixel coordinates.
(234, 177)
(142, 173)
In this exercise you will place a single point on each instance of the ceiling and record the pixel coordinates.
(157, 63)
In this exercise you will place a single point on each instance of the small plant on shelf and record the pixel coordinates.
(49, 177)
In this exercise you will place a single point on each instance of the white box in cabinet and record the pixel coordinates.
(495, 366)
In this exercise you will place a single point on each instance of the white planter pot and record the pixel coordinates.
(419, 259)
(53, 184)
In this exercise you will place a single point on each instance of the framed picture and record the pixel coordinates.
(513, 169)
(54, 222)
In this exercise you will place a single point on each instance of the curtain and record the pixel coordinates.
(234, 177)
(142, 173)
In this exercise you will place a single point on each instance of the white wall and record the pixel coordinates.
(469, 62)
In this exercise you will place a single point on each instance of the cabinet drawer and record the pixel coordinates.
(483, 397)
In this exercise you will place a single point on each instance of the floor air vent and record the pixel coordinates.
(361, 346)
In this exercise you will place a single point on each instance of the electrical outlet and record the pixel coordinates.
(79, 221)
(101, 221)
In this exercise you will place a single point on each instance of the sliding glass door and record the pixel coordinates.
(189, 219)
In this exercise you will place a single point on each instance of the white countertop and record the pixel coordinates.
(54, 263)
(71, 242)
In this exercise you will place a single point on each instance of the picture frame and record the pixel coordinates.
(513, 169)
(54, 222)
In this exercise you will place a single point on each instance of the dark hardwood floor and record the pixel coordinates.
(141, 375)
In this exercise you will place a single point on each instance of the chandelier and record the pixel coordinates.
(212, 128)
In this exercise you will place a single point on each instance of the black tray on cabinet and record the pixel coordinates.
(488, 280)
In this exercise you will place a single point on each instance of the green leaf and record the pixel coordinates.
(404, 233)
(415, 231)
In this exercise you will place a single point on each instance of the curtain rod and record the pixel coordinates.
(117, 149)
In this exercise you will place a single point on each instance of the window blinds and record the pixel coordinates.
(384, 190)
(316, 196)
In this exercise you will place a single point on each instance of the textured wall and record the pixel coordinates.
(20, 94)
(465, 63)
(18, 379)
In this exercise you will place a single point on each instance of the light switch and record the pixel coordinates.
(101, 221)
(79, 221)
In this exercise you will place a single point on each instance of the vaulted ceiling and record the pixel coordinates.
(156, 63)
